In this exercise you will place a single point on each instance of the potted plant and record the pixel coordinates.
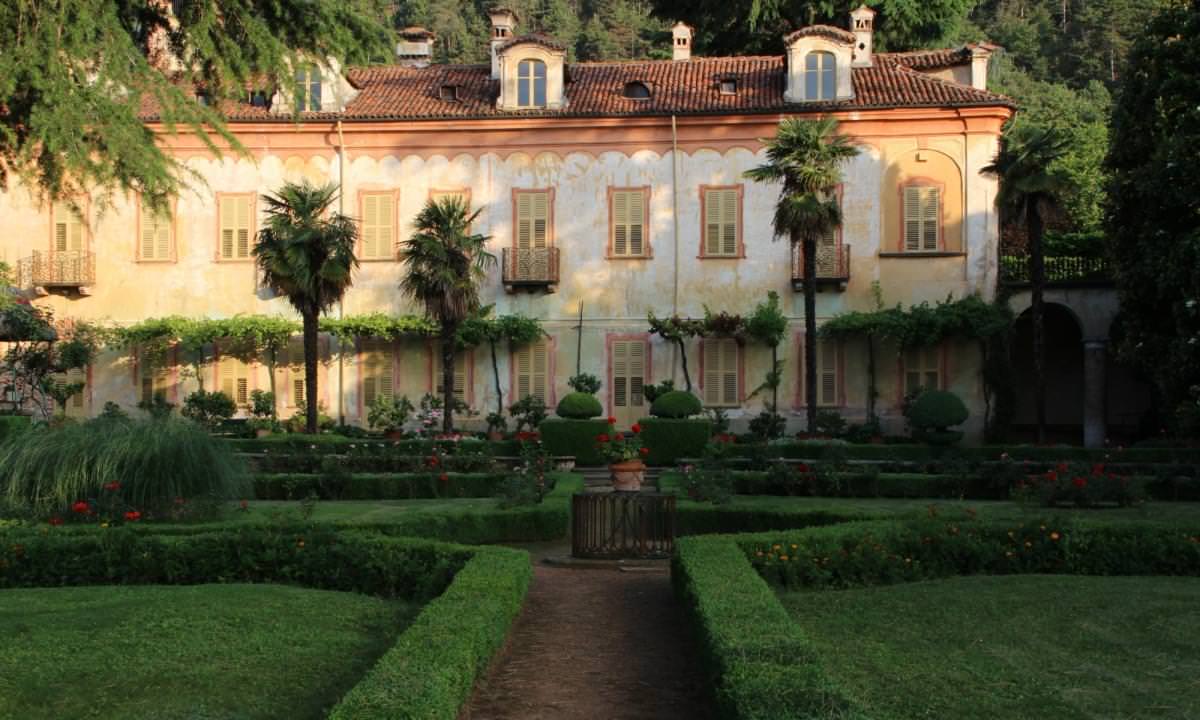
(624, 453)
(389, 415)
(262, 413)
(496, 426)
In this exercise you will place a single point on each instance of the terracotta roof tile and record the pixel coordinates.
(829, 31)
(685, 87)
(532, 39)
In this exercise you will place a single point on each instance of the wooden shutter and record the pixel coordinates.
(628, 372)
(378, 371)
(298, 392)
(156, 234)
(922, 368)
(721, 372)
(930, 211)
(629, 219)
(541, 219)
(532, 366)
(827, 372)
(235, 227)
(912, 218)
(721, 222)
(234, 380)
(378, 226)
(460, 373)
(922, 211)
(68, 229)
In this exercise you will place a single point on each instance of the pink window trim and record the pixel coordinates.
(798, 399)
(943, 367)
(921, 181)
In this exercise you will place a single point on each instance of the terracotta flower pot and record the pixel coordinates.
(627, 476)
(262, 432)
(394, 434)
(495, 435)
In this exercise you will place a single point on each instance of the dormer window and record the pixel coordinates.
(308, 89)
(637, 91)
(260, 99)
(820, 76)
(729, 86)
(531, 84)
(449, 93)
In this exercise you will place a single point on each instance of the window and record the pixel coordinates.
(922, 369)
(308, 89)
(820, 76)
(377, 367)
(449, 93)
(829, 376)
(233, 379)
(922, 218)
(720, 360)
(628, 221)
(531, 84)
(260, 99)
(235, 228)
(728, 86)
(153, 379)
(531, 370)
(533, 219)
(293, 360)
(722, 210)
(637, 91)
(629, 363)
(460, 373)
(157, 235)
(378, 226)
(77, 402)
(68, 229)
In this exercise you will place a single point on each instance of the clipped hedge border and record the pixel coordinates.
(761, 663)
(302, 462)
(563, 436)
(670, 440)
(815, 450)
(431, 670)
(338, 444)
(377, 486)
(473, 594)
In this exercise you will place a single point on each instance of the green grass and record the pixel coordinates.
(1014, 647)
(201, 652)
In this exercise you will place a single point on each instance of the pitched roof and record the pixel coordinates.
(683, 87)
(829, 31)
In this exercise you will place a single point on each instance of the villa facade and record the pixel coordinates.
(616, 185)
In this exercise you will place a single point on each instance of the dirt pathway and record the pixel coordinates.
(596, 644)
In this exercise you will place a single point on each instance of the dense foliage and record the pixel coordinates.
(676, 404)
(574, 438)
(579, 406)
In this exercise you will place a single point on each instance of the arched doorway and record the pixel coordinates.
(1064, 376)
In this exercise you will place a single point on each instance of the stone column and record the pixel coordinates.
(1095, 357)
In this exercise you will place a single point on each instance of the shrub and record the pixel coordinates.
(389, 415)
(669, 439)
(152, 462)
(335, 483)
(579, 406)
(829, 424)
(574, 437)
(767, 425)
(208, 408)
(528, 412)
(676, 404)
(262, 404)
(652, 392)
(585, 383)
(937, 410)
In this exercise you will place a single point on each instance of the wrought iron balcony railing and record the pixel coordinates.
(42, 271)
(833, 266)
(529, 267)
(1060, 270)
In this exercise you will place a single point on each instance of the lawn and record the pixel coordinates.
(1016, 647)
(201, 652)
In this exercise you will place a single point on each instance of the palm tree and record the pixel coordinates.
(307, 255)
(807, 157)
(444, 264)
(1029, 192)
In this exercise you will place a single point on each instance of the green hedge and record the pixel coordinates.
(431, 670)
(761, 663)
(339, 444)
(815, 450)
(396, 486)
(561, 436)
(367, 462)
(669, 439)
(13, 425)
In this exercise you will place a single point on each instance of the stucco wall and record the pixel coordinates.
(616, 294)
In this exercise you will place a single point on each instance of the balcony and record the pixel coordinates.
(57, 271)
(833, 267)
(1061, 271)
(529, 268)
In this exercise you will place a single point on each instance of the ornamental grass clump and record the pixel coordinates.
(157, 467)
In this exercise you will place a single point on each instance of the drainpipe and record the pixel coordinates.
(675, 236)
(341, 308)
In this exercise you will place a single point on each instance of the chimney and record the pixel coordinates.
(503, 22)
(862, 22)
(681, 41)
(981, 54)
(415, 47)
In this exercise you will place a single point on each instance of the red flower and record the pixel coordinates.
(612, 420)
(133, 516)
(433, 461)
(801, 468)
(620, 436)
(56, 520)
(112, 486)
(444, 477)
(636, 428)
(644, 451)
(244, 504)
(1079, 482)
(1051, 476)
(1061, 467)
(1098, 469)
(602, 438)
(81, 507)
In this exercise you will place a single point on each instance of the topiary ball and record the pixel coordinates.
(578, 406)
(937, 410)
(676, 404)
